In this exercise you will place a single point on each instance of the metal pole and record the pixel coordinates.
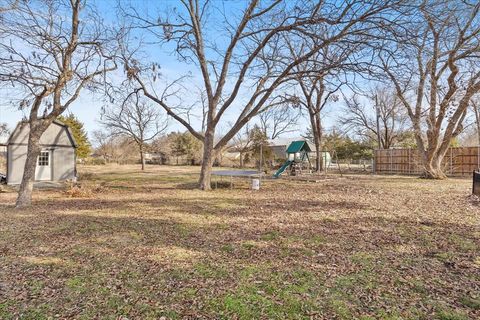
(409, 161)
(391, 161)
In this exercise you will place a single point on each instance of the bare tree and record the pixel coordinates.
(314, 96)
(243, 59)
(114, 149)
(434, 65)
(242, 143)
(7, 5)
(320, 78)
(103, 144)
(279, 120)
(476, 111)
(134, 118)
(382, 119)
(48, 55)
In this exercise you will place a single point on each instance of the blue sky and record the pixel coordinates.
(87, 107)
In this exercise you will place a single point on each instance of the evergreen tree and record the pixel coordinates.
(347, 148)
(260, 142)
(185, 144)
(79, 134)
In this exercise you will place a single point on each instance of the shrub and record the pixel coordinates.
(84, 190)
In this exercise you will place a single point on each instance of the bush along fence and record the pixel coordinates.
(459, 161)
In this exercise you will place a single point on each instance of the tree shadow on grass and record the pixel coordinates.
(243, 219)
(296, 219)
(356, 251)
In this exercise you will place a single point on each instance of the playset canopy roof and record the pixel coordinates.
(297, 146)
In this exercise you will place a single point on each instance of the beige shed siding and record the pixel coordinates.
(63, 163)
(17, 155)
(55, 138)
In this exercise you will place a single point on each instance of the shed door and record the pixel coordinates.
(43, 171)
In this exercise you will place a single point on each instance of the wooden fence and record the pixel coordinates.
(457, 162)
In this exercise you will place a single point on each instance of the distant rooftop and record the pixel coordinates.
(284, 141)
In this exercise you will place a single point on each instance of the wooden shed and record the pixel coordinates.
(56, 161)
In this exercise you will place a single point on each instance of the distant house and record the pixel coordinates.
(56, 161)
(155, 157)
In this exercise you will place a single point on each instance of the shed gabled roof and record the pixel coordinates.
(57, 122)
(297, 146)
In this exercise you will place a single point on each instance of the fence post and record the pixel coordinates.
(391, 161)
(408, 161)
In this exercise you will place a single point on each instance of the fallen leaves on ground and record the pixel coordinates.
(150, 246)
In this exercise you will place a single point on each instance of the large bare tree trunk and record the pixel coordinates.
(476, 111)
(317, 139)
(432, 161)
(433, 167)
(24, 198)
(207, 160)
(318, 146)
(478, 131)
(142, 157)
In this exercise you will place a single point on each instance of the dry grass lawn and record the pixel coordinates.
(133, 245)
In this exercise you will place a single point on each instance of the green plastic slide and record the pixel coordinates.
(282, 169)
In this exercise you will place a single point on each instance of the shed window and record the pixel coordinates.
(43, 158)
